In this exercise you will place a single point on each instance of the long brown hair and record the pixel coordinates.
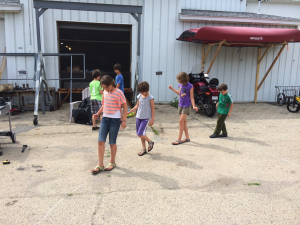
(107, 80)
(183, 78)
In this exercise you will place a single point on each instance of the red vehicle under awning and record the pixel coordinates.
(240, 36)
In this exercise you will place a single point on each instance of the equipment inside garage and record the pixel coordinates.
(103, 45)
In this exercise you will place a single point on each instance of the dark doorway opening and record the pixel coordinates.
(103, 45)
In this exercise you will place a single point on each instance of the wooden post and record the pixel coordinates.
(2, 64)
(203, 55)
(208, 50)
(211, 64)
(269, 70)
(260, 59)
(257, 74)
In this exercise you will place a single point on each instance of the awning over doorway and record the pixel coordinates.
(240, 36)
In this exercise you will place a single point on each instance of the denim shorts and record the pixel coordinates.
(109, 126)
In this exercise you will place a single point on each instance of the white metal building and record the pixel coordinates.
(162, 22)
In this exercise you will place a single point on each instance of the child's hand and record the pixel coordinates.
(95, 116)
(123, 124)
(229, 114)
(217, 105)
(151, 122)
(195, 108)
(170, 86)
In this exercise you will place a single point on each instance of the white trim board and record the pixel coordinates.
(188, 18)
(10, 8)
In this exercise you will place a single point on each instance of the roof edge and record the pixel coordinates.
(240, 20)
(11, 7)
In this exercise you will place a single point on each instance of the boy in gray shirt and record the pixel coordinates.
(145, 112)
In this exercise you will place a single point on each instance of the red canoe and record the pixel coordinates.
(240, 36)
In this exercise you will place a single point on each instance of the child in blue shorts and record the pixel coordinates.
(145, 112)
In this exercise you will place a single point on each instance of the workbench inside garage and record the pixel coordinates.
(21, 93)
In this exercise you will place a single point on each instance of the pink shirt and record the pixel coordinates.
(112, 101)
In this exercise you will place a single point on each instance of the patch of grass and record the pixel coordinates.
(94, 213)
(70, 194)
(175, 103)
(154, 131)
(99, 193)
(250, 184)
(107, 156)
(109, 175)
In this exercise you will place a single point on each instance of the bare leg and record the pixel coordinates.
(181, 125)
(94, 121)
(113, 152)
(186, 130)
(101, 150)
(145, 138)
(143, 142)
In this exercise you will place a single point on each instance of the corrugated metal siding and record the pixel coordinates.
(20, 37)
(51, 17)
(234, 66)
(23, 25)
(160, 50)
(2, 46)
(215, 5)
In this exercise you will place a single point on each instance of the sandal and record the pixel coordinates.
(109, 165)
(185, 140)
(142, 152)
(97, 169)
(176, 142)
(150, 146)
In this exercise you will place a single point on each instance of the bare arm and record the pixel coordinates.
(176, 91)
(118, 85)
(192, 99)
(231, 107)
(101, 92)
(135, 107)
(153, 112)
(124, 119)
(98, 113)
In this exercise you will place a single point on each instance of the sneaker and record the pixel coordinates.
(95, 128)
(214, 136)
(223, 135)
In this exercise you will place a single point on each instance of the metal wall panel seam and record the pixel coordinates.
(151, 50)
(15, 41)
(298, 67)
(167, 55)
(245, 72)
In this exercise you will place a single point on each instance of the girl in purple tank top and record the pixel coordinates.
(186, 99)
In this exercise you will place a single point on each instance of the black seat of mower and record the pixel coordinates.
(214, 82)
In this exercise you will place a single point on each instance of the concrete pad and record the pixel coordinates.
(251, 177)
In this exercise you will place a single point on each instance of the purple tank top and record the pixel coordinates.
(184, 97)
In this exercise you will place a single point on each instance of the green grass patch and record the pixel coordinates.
(251, 184)
(70, 194)
(175, 102)
(99, 193)
(154, 131)
(107, 156)
(94, 213)
(109, 175)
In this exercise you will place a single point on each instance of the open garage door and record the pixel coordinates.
(103, 45)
